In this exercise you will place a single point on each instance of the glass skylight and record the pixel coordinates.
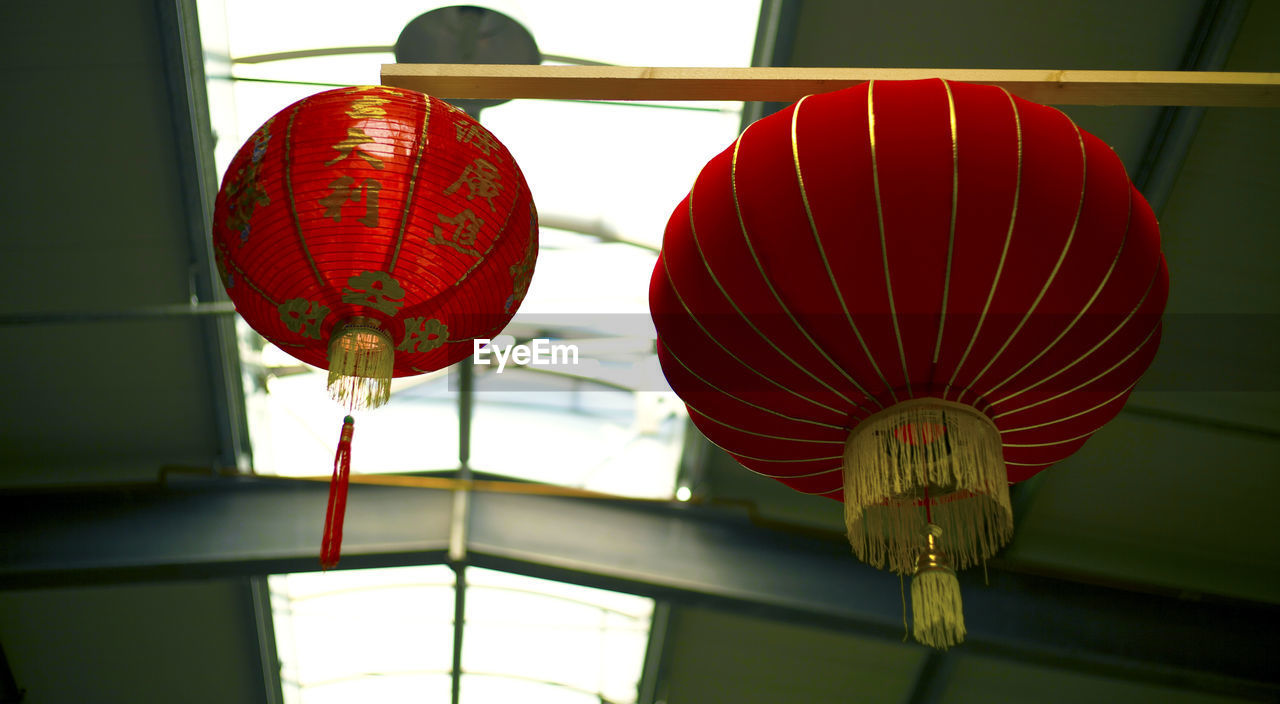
(533, 640)
(383, 635)
(386, 635)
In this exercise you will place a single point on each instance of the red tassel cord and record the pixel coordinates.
(331, 545)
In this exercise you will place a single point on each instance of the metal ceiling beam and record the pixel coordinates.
(704, 557)
(193, 137)
(459, 626)
(460, 523)
(175, 310)
(258, 593)
(10, 693)
(460, 520)
(196, 528)
(775, 40)
(1176, 127)
(653, 673)
(684, 553)
(932, 679)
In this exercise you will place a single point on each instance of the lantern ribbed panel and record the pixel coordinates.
(377, 204)
(865, 247)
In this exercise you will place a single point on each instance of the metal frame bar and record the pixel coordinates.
(460, 523)
(1176, 127)
(775, 41)
(932, 678)
(10, 692)
(176, 310)
(652, 685)
(459, 625)
(180, 34)
(264, 624)
(683, 553)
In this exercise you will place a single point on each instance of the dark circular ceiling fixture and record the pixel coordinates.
(466, 34)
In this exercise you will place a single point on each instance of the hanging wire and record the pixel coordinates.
(902, 590)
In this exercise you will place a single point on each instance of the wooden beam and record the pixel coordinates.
(789, 84)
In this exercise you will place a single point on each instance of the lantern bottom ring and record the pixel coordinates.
(921, 462)
(361, 363)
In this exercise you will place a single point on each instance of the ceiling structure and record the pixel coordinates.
(1143, 568)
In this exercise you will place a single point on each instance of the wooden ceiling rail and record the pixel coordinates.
(787, 84)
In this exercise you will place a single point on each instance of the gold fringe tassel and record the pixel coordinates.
(361, 362)
(936, 607)
(946, 451)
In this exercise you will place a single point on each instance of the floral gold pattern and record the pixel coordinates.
(375, 289)
(423, 335)
(244, 192)
(303, 317)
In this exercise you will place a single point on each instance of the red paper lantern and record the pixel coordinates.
(374, 232)
(906, 295)
(380, 208)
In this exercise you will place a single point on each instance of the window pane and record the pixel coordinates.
(295, 425)
(564, 640)
(338, 632)
(561, 430)
(483, 689)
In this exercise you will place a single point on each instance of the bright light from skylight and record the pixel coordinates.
(386, 635)
(533, 640)
(383, 635)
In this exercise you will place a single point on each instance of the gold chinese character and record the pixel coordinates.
(465, 228)
(477, 136)
(348, 146)
(367, 107)
(375, 289)
(343, 192)
(481, 179)
(371, 89)
(455, 109)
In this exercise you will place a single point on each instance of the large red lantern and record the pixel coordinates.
(905, 295)
(374, 232)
